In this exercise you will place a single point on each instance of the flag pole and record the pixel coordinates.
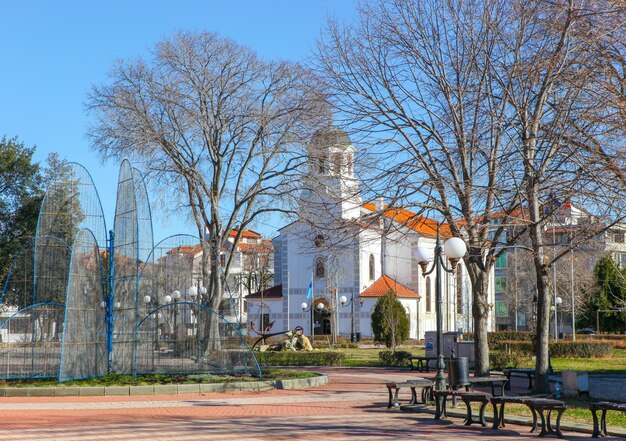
(312, 308)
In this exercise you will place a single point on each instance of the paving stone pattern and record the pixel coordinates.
(351, 407)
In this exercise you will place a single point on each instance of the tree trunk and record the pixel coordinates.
(214, 292)
(542, 336)
(535, 230)
(480, 312)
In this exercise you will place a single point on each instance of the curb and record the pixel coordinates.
(165, 389)
(513, 419)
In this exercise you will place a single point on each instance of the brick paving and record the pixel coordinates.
(351, 407)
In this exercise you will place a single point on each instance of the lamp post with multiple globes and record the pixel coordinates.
(305, 308)
(454, 249)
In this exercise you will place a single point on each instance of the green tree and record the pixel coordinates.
(390, 324)
(610, 295)
(20, 198)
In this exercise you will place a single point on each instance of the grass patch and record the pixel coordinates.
(157, 379)
(616, 364)
(368, 357)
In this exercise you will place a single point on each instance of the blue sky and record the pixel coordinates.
(52, 52)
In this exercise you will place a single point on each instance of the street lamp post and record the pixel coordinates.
(557, 302)
(344, 302)
(454, 249)
(306, 308)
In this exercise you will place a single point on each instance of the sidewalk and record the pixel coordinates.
(351, 407)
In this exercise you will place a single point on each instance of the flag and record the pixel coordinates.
(551, 204)
(309, 292)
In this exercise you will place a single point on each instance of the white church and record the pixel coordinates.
(341, 255)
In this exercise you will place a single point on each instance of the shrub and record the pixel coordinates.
(581, 349)
(494, 338)
(499, 360)
(288, 358)
(562, 349)
(390, 324)
(525, 347)
(395, 358)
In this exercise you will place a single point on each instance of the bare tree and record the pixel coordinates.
(470, 113)
(414, 76)
(546, 78)
(219, 127)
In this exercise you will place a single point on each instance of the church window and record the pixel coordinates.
(322, 164)
(319, 240)
(336, 164)
(320, 268)
(428, 296)
(372, 267)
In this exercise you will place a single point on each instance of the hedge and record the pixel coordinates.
(495, 337)
(289, 358)
(397, 358)
(562, 349)
(499, 360)
(581, 349)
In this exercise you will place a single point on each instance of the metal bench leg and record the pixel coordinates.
(543, 432)
(534, 412)
(496, 417)
(425, 394)
(502, 422)
(396, 399)
(413, 396)
(390, 405)
(468, 419)
(549, 421)
(603, 422)
(558, 422)
(596, 427)
(481, 414)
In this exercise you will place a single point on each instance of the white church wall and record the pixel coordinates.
(369, 245)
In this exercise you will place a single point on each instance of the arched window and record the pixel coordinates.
(372, 267)
(319, 240)
(336, 163)
(428, 296)
(320, 268)
(322, 164)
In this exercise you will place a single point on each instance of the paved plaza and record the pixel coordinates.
(351, 407)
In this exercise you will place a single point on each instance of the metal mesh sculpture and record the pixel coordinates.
(176, 338)
(84, 346)
(121, 306)
(126, 266)
(31, 341)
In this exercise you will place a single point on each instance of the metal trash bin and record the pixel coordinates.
(458, 372)
(358, 336)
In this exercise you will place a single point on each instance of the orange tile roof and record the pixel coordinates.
(384, 283)
(248, 234)
(256, 248)
(186, 249)
(421, 224)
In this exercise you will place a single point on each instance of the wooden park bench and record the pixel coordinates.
(441, 397)
(422, 383)
(599, 427)
(542, 407)
(421, 363)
